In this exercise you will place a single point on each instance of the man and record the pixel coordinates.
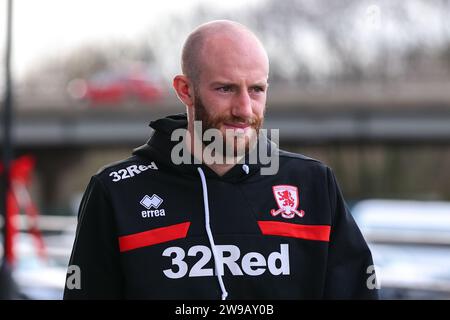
(155, 227)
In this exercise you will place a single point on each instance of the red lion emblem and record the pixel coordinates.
(287, 200)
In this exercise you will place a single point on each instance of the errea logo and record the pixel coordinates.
(152, 202)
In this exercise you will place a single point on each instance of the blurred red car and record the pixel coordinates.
(117, 87)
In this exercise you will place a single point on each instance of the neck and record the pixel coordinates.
(196, 148)
(221, 169)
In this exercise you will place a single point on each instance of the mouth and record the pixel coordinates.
(236, 126)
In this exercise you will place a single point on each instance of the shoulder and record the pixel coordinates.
(117, 165)
(302, 160)
(307, 167)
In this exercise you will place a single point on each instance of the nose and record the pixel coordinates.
(242, 105)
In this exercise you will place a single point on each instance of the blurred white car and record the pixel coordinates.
(410, 244)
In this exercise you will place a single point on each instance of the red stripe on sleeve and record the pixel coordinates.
(154, 236)
(307, 232)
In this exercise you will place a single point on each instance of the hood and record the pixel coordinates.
(159, 147)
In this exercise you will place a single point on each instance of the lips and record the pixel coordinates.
(237, 125)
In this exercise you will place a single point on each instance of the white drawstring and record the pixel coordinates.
(210, 236)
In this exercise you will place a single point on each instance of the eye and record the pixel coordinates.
(258, 89)
(224, 89)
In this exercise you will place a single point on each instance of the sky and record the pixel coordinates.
(56, 26)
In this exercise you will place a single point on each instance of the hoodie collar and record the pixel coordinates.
(159, 148)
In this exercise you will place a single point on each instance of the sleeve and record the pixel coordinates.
(95, 253)
(349, 257)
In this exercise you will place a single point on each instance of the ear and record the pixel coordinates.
(184, 90)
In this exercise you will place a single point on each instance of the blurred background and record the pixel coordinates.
(363, 86)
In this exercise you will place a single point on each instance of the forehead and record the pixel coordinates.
(233, 58)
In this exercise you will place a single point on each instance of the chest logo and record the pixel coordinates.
(152, 202)
(287, 200)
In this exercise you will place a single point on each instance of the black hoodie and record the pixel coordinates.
(150, 229)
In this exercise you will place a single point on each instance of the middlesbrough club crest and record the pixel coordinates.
(287, 200)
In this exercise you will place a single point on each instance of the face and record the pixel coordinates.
(231, 92)
(236, 130)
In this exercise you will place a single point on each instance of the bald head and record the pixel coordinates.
(210, 39)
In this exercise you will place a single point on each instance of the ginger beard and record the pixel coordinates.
(242, 141)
